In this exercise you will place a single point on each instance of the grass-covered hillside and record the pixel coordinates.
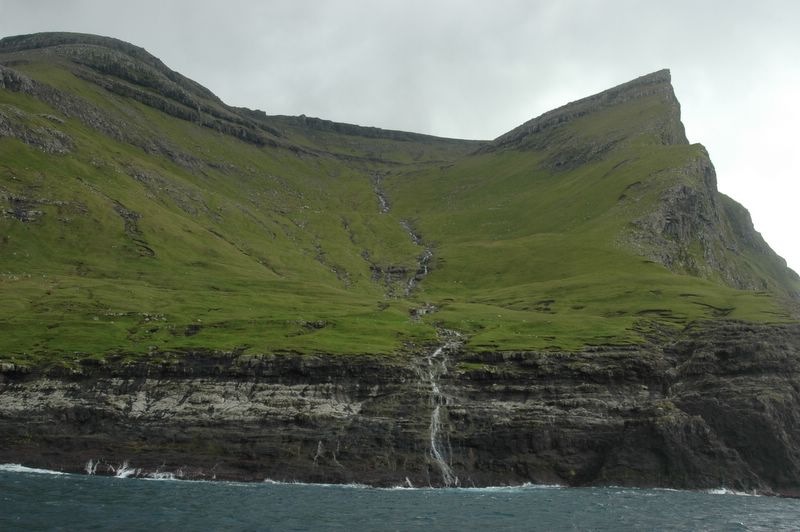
(141, 215)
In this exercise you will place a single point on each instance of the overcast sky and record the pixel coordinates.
(475, 69)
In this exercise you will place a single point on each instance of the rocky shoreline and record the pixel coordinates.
(717, 406)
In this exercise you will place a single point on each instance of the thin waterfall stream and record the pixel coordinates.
(435, 366)
(423, 259)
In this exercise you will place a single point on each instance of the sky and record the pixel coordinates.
(476, 69)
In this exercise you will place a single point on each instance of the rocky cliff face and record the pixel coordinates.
(715, 406)
(699, 231)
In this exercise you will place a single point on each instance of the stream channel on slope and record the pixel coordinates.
(434, 363)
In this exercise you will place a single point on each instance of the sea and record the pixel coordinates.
(35, 499)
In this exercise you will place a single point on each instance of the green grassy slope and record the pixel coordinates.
(540, 265)
(531, 244)
(251, 248)
(130, 226)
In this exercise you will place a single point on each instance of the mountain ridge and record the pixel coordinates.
(655, 83)
(70, 46)
(663, 207)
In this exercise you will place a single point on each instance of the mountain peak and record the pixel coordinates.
(651, 90)
(31, 41)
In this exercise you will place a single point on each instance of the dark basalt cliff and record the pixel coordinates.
(719, 405)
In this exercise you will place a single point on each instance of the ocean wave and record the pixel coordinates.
(728, 491)
(18, 468)
(314, 484)
(160, 475)
(408, 487)
(125, 471)
(525, 486)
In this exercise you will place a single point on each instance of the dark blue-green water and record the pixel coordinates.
(39, 501)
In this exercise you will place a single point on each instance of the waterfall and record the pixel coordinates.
(436, 366)
(377, 187)
(422, 260)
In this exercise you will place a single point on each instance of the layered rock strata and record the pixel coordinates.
(717, 406)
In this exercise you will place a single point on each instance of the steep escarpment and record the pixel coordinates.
(715, 406)
(697, 230)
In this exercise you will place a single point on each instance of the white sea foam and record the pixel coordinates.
(407, 486)
(541, 486)
(473, 489)
(17, 468)
(525, 486)
(161, 475)
(319, 484)
(125, 471)
(728, 491)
